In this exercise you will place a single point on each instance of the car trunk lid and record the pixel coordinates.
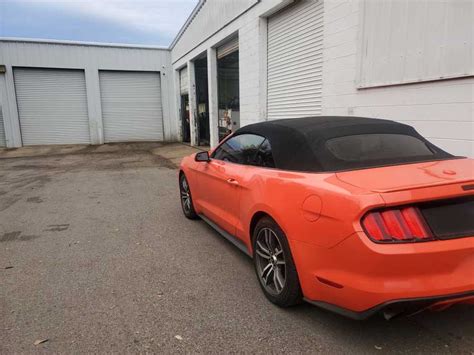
(412, 176)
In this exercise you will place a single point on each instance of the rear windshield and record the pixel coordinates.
(377, 147)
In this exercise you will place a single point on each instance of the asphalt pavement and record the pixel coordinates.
(96, 256)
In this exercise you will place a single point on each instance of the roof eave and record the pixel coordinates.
(79, 43)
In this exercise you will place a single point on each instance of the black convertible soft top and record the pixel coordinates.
(302, 144)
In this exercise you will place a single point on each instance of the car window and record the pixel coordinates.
(369, 147)
(240, 149)
(264, 156)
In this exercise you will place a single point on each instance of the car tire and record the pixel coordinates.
(272, 251)
(186, 198)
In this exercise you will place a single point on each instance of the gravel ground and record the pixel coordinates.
(95, 256)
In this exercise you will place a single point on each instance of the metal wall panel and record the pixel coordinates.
(91, 58)
(70, 55)
(52, 106)
(2, 130)
(405, 41)
(295, 57)
(183, 81)
(131, 106)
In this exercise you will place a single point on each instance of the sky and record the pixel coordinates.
(150, 22)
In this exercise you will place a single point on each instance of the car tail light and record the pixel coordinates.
(396, 225)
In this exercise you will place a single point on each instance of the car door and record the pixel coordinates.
(220, 179)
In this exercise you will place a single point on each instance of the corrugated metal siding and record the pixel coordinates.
(295, 48)
(2, 130)
(27, 54)
(183, 81)
(52, 106)
(131, 106)
(91, 59)
(228, 48)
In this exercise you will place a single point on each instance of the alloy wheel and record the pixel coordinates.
(185, 195)
(271, 264)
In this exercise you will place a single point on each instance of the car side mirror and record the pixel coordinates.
(202, 156)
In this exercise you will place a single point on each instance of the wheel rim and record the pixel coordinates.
(270, 260)
(185, 195)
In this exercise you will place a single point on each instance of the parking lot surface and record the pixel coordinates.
(96, 256)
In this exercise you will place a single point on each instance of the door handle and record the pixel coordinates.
(232, 182)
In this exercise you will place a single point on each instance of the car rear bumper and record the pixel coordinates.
(362, 278)
(395, 308)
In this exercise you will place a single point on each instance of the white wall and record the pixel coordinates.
(209, 16)
(5, 124)
(91, 58)
(2, 130)
(251, 27)
(442, 111)
(406, 41)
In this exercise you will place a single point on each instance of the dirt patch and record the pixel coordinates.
(62, 150)
(16, 236)
(165, 162)
(35, 199)
(19, 183)
(33, 167)
(26, 238)
(26, 180)
(22, 174)
(9, 236)
(91, 158)
(57, 227)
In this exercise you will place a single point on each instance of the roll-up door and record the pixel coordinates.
(228, 48)
(52, 105)
(183, 81)
(131, 106)
(295, 57)
(2, 130)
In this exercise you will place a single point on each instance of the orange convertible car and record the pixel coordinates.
(355, 215)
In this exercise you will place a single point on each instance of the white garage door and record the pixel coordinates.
(2, 130)
(131, 106)
(52, 105)
(295, 48)
(183, 81)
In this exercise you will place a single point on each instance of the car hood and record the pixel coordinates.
(411, 176)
